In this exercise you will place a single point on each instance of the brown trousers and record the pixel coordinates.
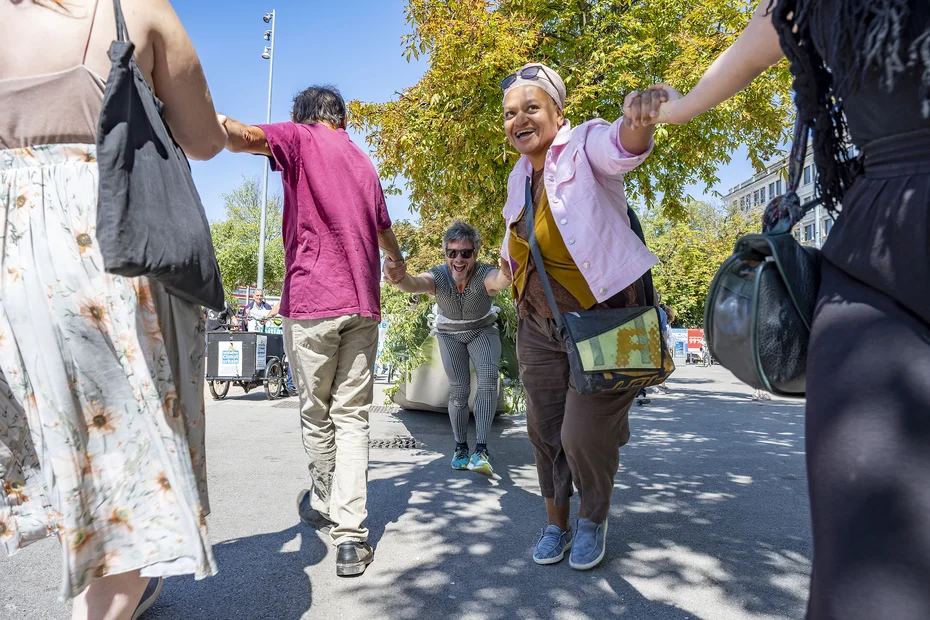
(576, 438)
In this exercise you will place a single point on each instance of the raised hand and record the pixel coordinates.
(394, 271)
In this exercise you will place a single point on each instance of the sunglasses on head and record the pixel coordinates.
(452, 254)
(530, 73)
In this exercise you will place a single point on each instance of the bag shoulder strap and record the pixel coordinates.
(537, 255)
(122, 34)
(648, 285)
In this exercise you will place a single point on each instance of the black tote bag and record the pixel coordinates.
(150, 221)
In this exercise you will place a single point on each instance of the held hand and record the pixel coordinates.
(394, 271)
(641, 108)
(506, 271)
(672, 110)
(221, 119)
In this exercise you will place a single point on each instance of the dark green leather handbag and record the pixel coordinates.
(760, 306)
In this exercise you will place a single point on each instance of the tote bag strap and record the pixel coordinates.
(122, 34)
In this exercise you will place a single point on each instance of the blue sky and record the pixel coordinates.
(354, 44)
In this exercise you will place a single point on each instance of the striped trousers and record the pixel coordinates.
(481, 347)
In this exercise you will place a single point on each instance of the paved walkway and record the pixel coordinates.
(709, 520)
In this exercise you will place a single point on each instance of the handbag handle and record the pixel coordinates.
(786, 210)
(122, 33)
(537, 255)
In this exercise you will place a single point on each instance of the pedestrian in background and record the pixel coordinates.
(101, 377)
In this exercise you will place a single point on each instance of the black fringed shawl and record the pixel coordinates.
(887, 36)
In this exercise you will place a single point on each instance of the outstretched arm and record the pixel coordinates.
(499, 279)
(244, 138)
(423, 283)
(754, 52)
(388, 243)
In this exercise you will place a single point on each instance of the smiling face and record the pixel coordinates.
(461, 267)
(531, 121)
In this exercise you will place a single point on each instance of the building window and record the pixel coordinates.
(807, 175)
(827, 226)
(771, 190)
(809, 232)
(778, 187)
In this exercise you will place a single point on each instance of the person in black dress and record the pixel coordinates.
(861, 77)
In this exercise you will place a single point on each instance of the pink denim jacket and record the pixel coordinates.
(584, 183)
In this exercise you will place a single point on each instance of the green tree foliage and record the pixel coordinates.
(236, 238)
(690, 250)
(445, 137)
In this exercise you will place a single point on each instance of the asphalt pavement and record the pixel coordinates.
(709, 519)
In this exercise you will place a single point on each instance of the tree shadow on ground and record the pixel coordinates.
(709, 520)
(260, 576)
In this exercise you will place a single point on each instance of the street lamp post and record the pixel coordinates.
(267, 54)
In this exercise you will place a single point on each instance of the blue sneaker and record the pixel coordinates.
(552, 545)
(480, 462)
(590, 544)
(460, 457)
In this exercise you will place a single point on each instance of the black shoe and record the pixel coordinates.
(149, 596)
(352, 558)
(312, 517)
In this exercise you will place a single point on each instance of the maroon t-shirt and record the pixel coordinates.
(333, 210)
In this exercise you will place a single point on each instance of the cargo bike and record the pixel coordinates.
(250, 360)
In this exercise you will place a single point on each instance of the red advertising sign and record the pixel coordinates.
(695, 336)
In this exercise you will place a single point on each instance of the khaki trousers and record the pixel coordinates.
(333, 361)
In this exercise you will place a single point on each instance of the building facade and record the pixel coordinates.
(815, 227)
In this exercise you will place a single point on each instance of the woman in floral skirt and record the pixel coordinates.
(101, 377)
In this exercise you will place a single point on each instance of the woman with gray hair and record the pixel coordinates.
(592, 259)
(467, 332)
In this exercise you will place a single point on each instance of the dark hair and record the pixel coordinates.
(460, 231)
(865, 35)
(320, 104)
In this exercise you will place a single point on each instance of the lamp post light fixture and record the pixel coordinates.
(267, 54)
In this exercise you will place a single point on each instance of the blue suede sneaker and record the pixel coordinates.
(460, 457)
(552, 545)
(590, 544)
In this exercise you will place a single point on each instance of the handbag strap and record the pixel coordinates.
(122, 34)
(786, 210)
(648, 286)
(537, 255)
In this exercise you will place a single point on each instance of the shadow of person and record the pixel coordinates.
(460, 544)
(261, 576)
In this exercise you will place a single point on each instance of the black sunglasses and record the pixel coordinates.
(530, 73)
(452, 254)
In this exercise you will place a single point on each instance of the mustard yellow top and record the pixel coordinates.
(556, 258)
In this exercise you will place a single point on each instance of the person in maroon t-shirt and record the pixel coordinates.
(335, 219)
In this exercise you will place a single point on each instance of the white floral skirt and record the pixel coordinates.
(101, 388)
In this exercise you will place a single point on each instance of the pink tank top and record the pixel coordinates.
(51, 108)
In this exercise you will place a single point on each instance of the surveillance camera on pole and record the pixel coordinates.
(267, 54)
